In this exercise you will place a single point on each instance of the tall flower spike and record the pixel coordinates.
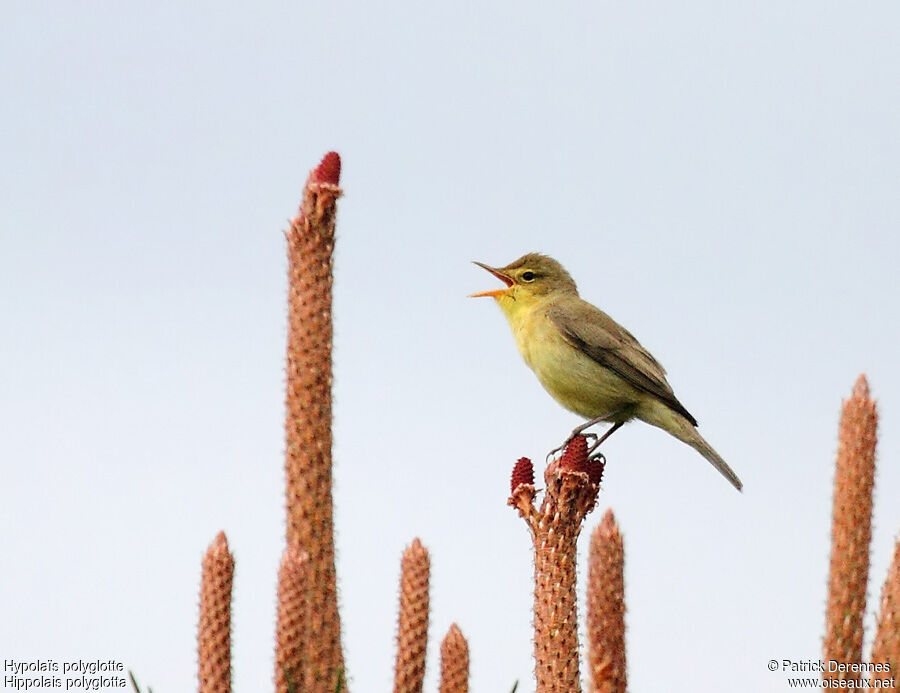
(412, 623)
(214, 629)
(293, 616)
(886, 647)
(454, 662)
(570, 495)
(606, 608)
(851, 531)
(310, 244)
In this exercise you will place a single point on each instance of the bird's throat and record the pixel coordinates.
(512, 308)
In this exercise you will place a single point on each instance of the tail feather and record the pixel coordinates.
(700, 445)
(676, 424)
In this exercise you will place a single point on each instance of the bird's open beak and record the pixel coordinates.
(496, 293)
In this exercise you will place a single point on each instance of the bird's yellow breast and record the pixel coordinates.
(572, 378)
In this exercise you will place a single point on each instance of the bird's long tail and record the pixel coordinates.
(682, 429)
(697, 442)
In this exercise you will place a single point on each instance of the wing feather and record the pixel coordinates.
(601, 338)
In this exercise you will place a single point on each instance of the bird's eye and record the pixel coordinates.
(528, 276)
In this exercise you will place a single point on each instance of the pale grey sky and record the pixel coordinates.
(721, 179)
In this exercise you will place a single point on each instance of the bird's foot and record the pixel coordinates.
(597, 456)
(593, 452)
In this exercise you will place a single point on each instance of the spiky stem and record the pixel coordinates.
(886, 647)
(310, 244)
(851, 531)
(454, 662)
(606, 608)
(572, 484)
(412, 622)
(214, 628)
(293, 615)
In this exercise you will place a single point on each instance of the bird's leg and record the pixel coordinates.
(579, 430)
(593, 453)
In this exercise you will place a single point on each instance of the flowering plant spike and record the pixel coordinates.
(851, 531)
(214, 629)
(291, 628)
(454, 662)
(310, 246)
(570, 495)
(886, 647)
(412, 622)
(606, 608)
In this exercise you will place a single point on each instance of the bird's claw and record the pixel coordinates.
(597, 456)
(593, 452)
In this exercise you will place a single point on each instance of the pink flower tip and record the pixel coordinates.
(608, 523)
(522, 473)
(218, 548)
(861, 387)
(329, 171)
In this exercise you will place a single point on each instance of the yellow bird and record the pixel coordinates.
(587, 361)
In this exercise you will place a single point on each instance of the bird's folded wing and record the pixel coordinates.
(601, 338)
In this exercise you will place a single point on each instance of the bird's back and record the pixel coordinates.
(597, 336)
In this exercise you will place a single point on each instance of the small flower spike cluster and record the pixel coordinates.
(606, 608)
(293, 615)
(886, 647)
(310, 246)
(572, 485)
(522, 474)
(851, 531)
(412, 622)
(214, 629)
(575, 457)
(454, 662)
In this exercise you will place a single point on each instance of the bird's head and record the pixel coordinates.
(528, 279)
